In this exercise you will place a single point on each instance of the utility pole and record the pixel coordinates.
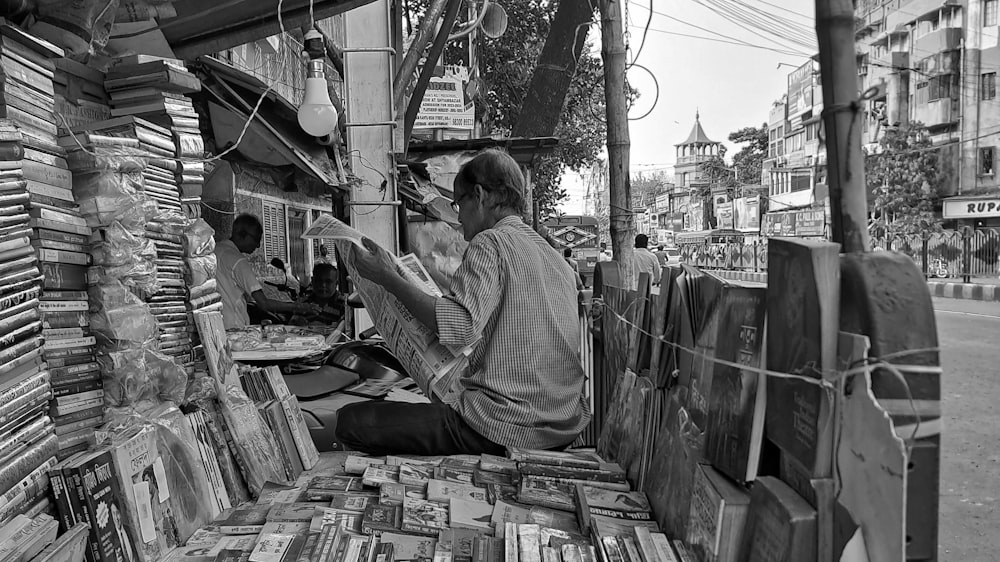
(622, 220)
(842, 119)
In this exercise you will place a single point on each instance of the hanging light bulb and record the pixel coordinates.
(317, 116)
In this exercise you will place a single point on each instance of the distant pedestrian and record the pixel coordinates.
(568, 255)
(605, 255)
(645, 261)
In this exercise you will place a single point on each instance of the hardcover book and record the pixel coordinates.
(547, 493)
(719, 510)
(378, 518)
(612, 512)
(442, 491)
(781, 526)
(245, 521)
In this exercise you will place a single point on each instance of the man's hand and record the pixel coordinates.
(375, 264)
(308, 309)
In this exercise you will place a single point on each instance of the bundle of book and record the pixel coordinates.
(156, 88)
(531, 506)
(730, 474)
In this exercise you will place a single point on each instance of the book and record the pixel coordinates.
(275, 416)
(322, 488)
(442, 491)
(555, 458)
(802, 341)
(245, 521)
(410, 547)
(605, 472)
(104, 500)
(424, 516)
(393, 493)
(719, 510)
(553, 494)
(137, 463)
(612, 512)
(70, 546)
(781, 525)
(504, 512)
(377, 474)
(299, 511)
(415, 475)
(466, 514)
(654, 547)
(378, 518)
(30, 539)
(271, 547)
(355, 464)
(356, 501)
(210, 461)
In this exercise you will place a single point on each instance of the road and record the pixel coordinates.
(969, 337)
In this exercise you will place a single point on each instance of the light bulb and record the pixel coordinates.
(317, 116)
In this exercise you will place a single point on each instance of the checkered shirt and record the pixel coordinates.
(515, 298)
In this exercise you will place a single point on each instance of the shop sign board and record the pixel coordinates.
(445, 104)
(971, 208)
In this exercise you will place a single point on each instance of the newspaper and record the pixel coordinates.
(436, 368)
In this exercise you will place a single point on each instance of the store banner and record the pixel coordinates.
(795, 223)
(779, 224)
(810, 223)
(445, 104)
(724, 216)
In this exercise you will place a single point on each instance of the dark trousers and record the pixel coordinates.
(389, 428)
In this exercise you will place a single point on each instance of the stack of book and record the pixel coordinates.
(28, 444)
(59, 234)
(169, 303)
(79, 95)
(280, 409)
(156, 88)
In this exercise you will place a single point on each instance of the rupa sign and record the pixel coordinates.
(971, 208)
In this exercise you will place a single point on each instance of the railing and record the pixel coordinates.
(963, 254)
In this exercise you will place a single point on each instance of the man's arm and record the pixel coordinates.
(420, 304)
(273, 306)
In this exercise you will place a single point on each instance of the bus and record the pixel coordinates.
(579, 233)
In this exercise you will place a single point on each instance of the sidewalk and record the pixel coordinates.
(981, 288)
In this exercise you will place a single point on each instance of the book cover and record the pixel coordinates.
(719, 511)
(466, 514)
(355, 464)
(504, 512)
(139, 469)
(275, 416)
(494, 463)
(322, 488)
(377, 474)
(378, 518)
(349, 520)
(547, 493)
(410, 547)
(104, 500)
(210, 460)
(301, 511)
(781, 526)
(393, 493)
(612, 512)
(605, 472)
(424, 516)
(356, 501)
(802, 340)
(271, 548)
(415, 475)
(453, 475)
(304, 443)
(583, 459)
(245, 521)
(442, 491)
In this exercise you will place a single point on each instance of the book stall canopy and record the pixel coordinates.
(199, 28)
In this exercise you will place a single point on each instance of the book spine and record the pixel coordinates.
(35, 383)
(46, 190)
(63, 306)
(57, 345)
(12, 473)
(83, 390)
(300, 433)
(67, 518)
(64, 409)
(51, 224)
(25, 435)
(27, 76)
(64, 333)
(36, 481)
(57, 216)
(82, 509)
(97, 411)
(34, 121)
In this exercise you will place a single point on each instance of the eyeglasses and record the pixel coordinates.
(454, 203)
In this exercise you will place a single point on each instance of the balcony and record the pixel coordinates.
(944, 39)
(695, 159)
(936, 113)
(915, 9)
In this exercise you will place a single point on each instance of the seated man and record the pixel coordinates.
(324, 294)
(514, 300)
(237, 281)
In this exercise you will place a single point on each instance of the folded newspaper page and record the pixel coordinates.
(436, 368)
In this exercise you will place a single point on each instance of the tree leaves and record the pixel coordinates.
(904, 182)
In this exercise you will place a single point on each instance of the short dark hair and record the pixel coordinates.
(641, 240)
(323, 268)
(498, 173)
(247, 224)
(568, 252)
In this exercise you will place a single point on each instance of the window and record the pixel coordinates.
(274, 244)
(989, 13)
(986, 161)
(988, 84)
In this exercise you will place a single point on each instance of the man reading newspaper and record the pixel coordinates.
(513, 304)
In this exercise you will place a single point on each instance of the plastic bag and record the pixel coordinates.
(139, 380)
(119, 315)
(199, 239)
(81, 27)
(104, 196)
(255, 444)
(126, 257)
(201, 269)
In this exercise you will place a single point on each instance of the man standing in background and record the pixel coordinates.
(645, 261)
(237, 280)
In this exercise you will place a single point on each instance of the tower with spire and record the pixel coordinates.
(692, 153)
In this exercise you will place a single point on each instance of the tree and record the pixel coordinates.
(904, 180)
(505, 69)
(748, 162)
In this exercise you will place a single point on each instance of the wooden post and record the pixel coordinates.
(842, 119)
(622, 221)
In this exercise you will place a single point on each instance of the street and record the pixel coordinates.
(969, 336)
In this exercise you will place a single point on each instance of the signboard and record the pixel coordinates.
(810, 223)
(696, 216)
(724, 216)
(800, 89)
(662, 203)
(795, 223)
(445, 104)
(747, 211)
(971, 208)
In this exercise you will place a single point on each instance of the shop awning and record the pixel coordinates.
(274, 137)
(203, 27)
(524, 150)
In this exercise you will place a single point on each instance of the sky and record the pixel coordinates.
(731, 86)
